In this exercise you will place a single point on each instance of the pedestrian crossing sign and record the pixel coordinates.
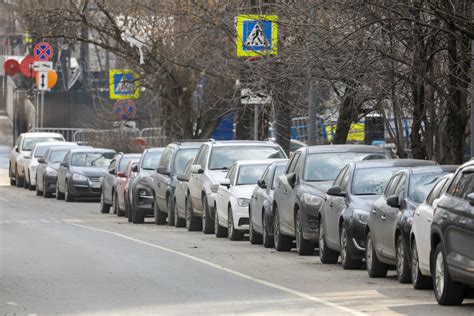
(257, 35)
(123, 84)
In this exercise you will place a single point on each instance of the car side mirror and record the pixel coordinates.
(183, 178)
(112, 171)
(225, 183)
(41, 160)
(261, 183)
(121, 174)
(291, 179)
(163, 170)
(393, 201)
(336, 191)
(135, 168)
(16, 149)
(196, 169)
(470, 198)
(64, 164)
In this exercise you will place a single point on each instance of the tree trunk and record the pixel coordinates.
(347, 116)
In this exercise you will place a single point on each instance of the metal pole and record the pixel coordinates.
(37, 109)
(42, 108)
(313, 98)
(255, 122)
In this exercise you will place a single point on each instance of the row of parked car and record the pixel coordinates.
(352, 202)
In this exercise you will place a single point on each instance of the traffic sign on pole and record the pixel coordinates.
(123, 84)
(26, 67)
(43, 65)
(257, 35)
(43, 51)
(42, 80)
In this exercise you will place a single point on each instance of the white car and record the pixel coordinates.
(38, 151)
(421, 232)
(20, 154)
(233, 198)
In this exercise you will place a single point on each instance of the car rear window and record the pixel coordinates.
(225, 156)
(92, 159)
(29, 143)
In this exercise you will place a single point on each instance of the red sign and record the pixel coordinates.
(11, 66)
(26, 67)
(43, 51)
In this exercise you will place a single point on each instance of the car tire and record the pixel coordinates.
(303, 247)
(447, 291)
(281, 242)
(375, 268)
(59, 194)
(419, 281)
(46, 194)
(130, 212)
(326, 254)
(171, 210)
(19, 180)
(234, 234)
(160, 217)
(31, 187)
(118, 211)
(10, 175)
(192, 221)
(207, 223)
(219, 230)
(138, 216)
(268, 241)
(403, 262)
(347, 261)
(26, 185)
(104, 207)
(178, 221)
(67, 195)
(254, 237)
(38, 191)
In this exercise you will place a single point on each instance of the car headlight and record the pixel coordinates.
(79, 177)
(51, 172)
(361, 215)
(312, 200)
(214, 188)
(243, 202)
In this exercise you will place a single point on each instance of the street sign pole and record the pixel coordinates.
(472, 89)
(42, 108)
(255, 122)
(37, 109)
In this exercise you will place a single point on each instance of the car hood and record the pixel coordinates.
(319, 188)
(89, 171)
(54, 165)
(244, 191)
(363, 202)
(217, 175)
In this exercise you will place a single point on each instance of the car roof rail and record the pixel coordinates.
(191, 140)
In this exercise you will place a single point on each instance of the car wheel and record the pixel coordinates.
(171, 211)
(233, 233)
(160, 217)
(303, 247)
(38, 191)
(268, 241)
(419, 281)
(46, 194)
(19, 180)
(218, 229)
(375, 268)
(30, 186)
(26, 184)
(178, 221)
(192, 221)
(282, 242)
(104, 207)
(138, 216)
(10, 174)
(59, 194)
(130, 211)
(254, 237)
(403, 266)
(118, 211)
(447, 292)
(346, 256)
(326, 255)
(67, 195)
(207, 223)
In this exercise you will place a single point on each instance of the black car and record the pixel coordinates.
(172, 163)
(141, 191)
(452, 239)
(47, 170)
(80, 173)
(260, 206)
(389, 223)
(300, 192)
(108, 194)
(348, 203)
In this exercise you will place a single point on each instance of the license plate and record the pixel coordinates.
(95, 185)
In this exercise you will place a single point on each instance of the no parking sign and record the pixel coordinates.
(43, 51)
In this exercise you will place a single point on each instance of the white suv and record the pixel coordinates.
(211, 165)
(20, 154)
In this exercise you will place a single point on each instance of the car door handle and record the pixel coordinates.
(444, 216)
(331, 204)
(418, 213)
(374, 211)
(285, 191)
(383, 217)
(462, 221)
(428, 220)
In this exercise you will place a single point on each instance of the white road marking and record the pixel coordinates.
(240, 274)
(22, 222)
(3, 199)
(12, 303)
(7, 222)
(44, 221)
(73, 220)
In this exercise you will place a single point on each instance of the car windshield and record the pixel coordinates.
(151, 159)
(57, 155)
(224, 157)
(249, 174)
(40, 151)
(421, 185)
(326, 166)
(371, 181)
(92, 159)
(278, 172)
(182, 158)
(29, 143)
(124, 162)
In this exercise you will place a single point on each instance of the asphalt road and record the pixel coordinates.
(67, 258)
